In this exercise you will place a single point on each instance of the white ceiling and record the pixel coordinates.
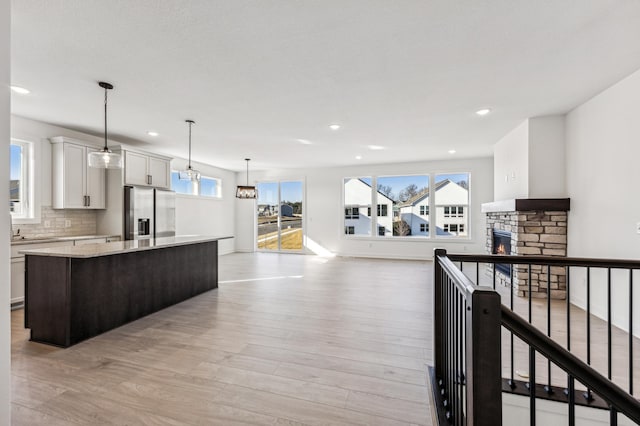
(257, 75)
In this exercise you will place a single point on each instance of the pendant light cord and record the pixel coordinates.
(247, 172)
(105, 119)
(190, 123)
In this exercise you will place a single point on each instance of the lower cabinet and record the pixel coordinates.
(17, 281)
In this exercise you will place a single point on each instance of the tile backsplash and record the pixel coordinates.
(80, 221)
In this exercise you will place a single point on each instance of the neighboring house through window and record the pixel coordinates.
(405, 206)
(21, 185)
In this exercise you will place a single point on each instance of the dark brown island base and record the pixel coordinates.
(76, 292)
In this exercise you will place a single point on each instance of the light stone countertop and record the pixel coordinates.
(119, 247)
(38, 240)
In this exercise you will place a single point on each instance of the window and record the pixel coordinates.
(454, 211)
(451, 202)
(450, 227)
(352, 213)
(207, 187)
(399, 204)
(21, 190)
(357, 197)
(407, 205)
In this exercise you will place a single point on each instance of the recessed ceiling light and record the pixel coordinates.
(375, 147)
(20, 90)
(334, 126)
(358, 157)
(304, 141)
(452, 151)
(483, 111)
(152, 133)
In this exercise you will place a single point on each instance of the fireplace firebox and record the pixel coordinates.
(502, 245)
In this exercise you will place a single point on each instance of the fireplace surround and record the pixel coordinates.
(536, 227)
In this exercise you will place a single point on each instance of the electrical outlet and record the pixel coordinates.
(47, 224)
(67, 223)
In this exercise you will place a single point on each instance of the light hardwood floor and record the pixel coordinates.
(286, 339)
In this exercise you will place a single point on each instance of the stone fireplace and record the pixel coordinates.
(528, 227)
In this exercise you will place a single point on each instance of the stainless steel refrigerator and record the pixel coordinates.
(149, 213)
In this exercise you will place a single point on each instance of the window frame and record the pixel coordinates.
(196, 187)
(30, 173)
(458, 211)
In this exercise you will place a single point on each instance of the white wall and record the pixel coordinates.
(603, 147)
(5, 320)
(325, 214)
(511, 164)
(208, 216)
(529, 162)
(547, 157)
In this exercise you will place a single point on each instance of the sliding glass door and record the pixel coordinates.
(280, 216)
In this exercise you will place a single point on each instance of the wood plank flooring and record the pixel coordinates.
(285, 340)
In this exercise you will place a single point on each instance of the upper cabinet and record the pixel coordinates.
(146, 170)
(75, 185)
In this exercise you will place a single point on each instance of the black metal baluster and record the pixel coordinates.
(609, 342)
(631, 331)
(548, 388)
(570, 384)
(571, 391)
(455, 391)
(478, 273)
(529, 301)
(613, 419)
(494, 276)
(532, 386)
(512, 382)
(461, 374)
(587, 395)
(568, 297)
(450, 394)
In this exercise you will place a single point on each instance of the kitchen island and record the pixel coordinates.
(73, 293)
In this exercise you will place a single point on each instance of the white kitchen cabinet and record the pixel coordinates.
(75, 185)
(146, 170)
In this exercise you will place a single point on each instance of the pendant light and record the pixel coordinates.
(190, 173)
(246, 191)
(105, 158)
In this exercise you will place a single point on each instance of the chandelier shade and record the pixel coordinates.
(246, 191)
